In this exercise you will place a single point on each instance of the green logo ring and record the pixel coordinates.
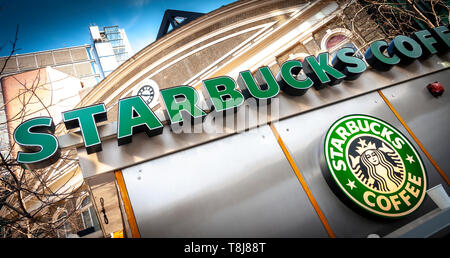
(374, 166)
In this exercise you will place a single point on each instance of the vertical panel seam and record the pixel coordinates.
(303, 182)
(433, 162)
(126, 202)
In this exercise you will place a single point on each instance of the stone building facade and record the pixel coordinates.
(220, 41)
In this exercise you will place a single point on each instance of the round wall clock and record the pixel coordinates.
(147, 93)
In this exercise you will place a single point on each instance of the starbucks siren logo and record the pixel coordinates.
(374, 166)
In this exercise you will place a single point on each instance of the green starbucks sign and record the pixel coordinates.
(371, 164)
(41, 148)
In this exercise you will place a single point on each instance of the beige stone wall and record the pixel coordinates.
(364, 31)
(188, 68)
(191, 65)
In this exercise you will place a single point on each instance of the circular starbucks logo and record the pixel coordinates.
(374, 166)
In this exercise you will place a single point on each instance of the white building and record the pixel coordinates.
(110, 48)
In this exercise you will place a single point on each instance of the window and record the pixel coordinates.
(348, 45)
(112, 29)
(116, 43)
(119, 50)
(88, 214)
(65, 229)
(113, 36)
(122, 57)
(337, 39)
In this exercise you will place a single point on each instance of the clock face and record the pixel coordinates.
(147, 93)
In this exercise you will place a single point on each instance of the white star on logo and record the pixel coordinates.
(410, 159)
(351, 184)
(362, 142)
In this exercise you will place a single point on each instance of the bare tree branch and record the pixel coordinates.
(29, 199)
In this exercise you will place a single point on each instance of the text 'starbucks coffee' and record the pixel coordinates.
(374, 166)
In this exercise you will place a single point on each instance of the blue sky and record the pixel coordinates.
(50, 24)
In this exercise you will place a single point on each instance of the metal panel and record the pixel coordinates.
(429, 225)
(62, 56)
(428, 117)
(143, 148)
(79, 54)
(303, 136)
(27, 62)
(45, 59)
(240, 186)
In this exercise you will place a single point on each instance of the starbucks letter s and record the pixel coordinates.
(36, 138)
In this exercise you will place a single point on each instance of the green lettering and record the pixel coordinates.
(290, 82)
(406, 48)
(426, 41)
(442, 36)
(181, 99)
(221, 94)
(86, 119)
(135, 117)
(351, 66)
(319, 69)
(262, 86)
(35, 136)
(376, 59)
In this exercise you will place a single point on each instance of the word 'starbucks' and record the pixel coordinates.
(374, 166)
(224, 93)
